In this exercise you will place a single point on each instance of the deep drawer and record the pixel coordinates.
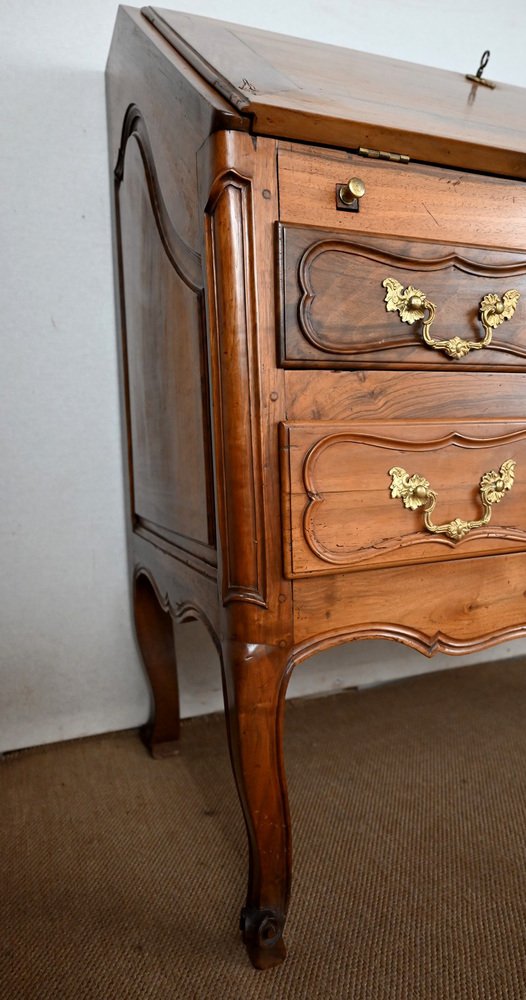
(356, 495)
(346, 432)
(345, 303)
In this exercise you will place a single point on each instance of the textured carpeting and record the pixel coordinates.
(122, 877)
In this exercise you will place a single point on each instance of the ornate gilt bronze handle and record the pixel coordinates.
(414, 492)
(411, 305)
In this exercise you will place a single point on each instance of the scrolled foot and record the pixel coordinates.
(263, 936)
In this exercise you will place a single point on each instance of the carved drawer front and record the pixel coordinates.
(355, 301)
(366, 495)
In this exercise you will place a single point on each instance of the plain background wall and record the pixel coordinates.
(68, 661)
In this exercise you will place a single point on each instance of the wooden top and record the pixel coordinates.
(297, 89)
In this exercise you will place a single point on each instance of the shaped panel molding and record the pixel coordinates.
(164, 360)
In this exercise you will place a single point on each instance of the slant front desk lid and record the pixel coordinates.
(292, 88)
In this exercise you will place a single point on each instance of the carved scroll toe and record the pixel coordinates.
(263, 936)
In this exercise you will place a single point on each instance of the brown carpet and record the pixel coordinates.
(122, 877)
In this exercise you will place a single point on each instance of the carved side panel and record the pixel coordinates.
(165, 359)
(237, 405)
(340, 510)
(335, 311)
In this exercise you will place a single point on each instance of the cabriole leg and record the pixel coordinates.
(254, 704)
(155, 635)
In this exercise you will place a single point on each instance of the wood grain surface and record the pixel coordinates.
(166, 366)
(301, 89)
(388, 396)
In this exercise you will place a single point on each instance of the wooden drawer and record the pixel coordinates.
(337, 283)
(410, 200)
(334, 302)
(344, 487)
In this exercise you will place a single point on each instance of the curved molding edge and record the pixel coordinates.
(428, 644)
(186, 261)
(181, 611)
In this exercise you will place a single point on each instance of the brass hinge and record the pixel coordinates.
(380, 154)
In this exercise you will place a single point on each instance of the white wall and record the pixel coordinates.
(68, 663)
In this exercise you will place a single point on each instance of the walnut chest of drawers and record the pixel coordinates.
(323, 370)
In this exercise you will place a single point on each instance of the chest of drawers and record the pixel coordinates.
(323, 371)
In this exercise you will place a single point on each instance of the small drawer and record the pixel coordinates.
(358, 496)
(348, 301)
(410, 200)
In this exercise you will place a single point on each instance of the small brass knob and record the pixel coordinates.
(352, 191)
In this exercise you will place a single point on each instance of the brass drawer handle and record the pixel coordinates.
(414, 492)
(411, 305)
